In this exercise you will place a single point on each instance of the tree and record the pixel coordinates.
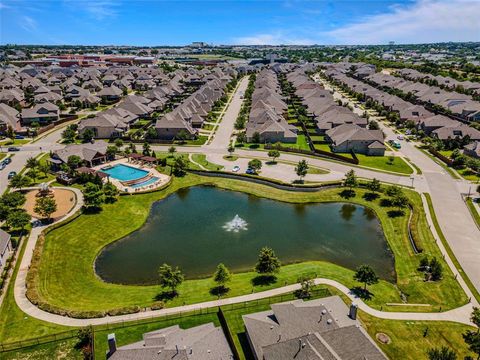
(305, 290)
(85, 340)
(111, 151)
(472, 339)
(222, 275)
(374, 185)
(73, 162)
(255, 165)
(133, 148)
(365, 275)
(443, 353)
(88, 135)
(69, 134)
(172, 150)
(32, 174)
(273, 154)
(110, 193)
(92, 196)
(179, 166)
(256, 138)
(13, 199)
(18, 219)
(19, 181)
(373, 125)
(436, 270)
(475, 317)
(169, 277)
(400, 201)
(267, 263)
(44, 168)
(146, 149)
(118, 143)
(301, 169)
(242, 137)
(45, 206)
(32, 163)
(350, 180)
(230, 150)
(182, 136)
(10, 133)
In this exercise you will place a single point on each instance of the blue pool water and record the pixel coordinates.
(144, 183)
(125, 173)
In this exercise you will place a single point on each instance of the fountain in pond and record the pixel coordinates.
(236, 224)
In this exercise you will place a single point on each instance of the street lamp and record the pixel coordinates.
(413, 179)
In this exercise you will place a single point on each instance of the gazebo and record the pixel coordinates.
(149, 159)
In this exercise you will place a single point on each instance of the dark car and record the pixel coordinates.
(7, 161)
(11, 174)
(250, 171)
(13, 148)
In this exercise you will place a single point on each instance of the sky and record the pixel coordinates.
(273, 22)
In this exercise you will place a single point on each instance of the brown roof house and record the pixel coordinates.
(90, 153)
(350, 137)
(41, 113)
(203, 342)
(5, 247)
(472, 149)
(8, 117)
(319, 329)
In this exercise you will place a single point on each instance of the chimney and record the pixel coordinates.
(353, 311)
(112, 345)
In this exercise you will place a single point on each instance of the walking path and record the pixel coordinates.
(20, 281)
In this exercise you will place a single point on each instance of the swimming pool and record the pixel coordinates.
(124, 172)
(145, 183)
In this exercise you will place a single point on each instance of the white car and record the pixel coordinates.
(236, 168)
(400, 137)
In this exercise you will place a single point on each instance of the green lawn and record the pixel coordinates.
(67, 279)
(473, 211)
(64, 349)
(41, 177)
(14, 142)
(202, 160)
(2, 155)
(383, 163)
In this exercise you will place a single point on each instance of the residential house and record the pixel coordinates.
(41, 113)
(349, 138)
(5, 248)
(315, 330)
(203, 342)
(90, 154)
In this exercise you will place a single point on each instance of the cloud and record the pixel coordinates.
(274, 38)
(28, 24)
(98, 10)
(423, 22)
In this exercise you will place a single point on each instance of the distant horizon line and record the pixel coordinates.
(233, 45)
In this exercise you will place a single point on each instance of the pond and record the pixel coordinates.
(197, 228)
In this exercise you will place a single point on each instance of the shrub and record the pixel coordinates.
(85, 314)
(158, 305)
(124, 310)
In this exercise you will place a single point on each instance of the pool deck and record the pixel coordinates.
(162, 178)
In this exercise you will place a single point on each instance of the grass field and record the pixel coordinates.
(57, 350)
(67, 279)
(383, 163)
(473, 211)
(202, 160)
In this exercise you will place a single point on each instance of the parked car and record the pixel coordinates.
(400, 137)
(396, 144)
(11, 174)
(2, 166)
(7, 161)
(19, 137)
(236, 168)
(13, 148)
(250, 171)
